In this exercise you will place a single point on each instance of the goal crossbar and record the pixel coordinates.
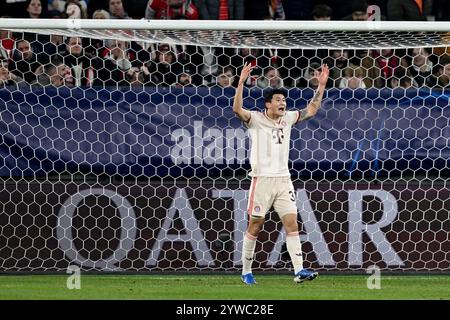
(226, 25)
(251, 34)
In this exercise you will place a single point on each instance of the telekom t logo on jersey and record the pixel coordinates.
(278, 135)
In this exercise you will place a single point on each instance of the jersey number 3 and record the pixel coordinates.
(278, 135)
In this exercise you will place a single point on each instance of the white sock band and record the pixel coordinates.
(248, 251)
(294, 248)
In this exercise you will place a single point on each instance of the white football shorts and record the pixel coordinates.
(266, 192)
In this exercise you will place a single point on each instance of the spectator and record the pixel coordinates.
(94, 5)
(409, 10)
(309, 78)
(401, 79)
(3, 54)
(117, 52)
(171, 9)
(338, 61)
(101, 14)
(322, 12)
(6, 77)
(79, 63)
(203, 62)
(421, 66)
(6, 40)
(134, 77)
(24, 61)
(367, 61)
(42, 46)
(439, 51)
(359, 11)
(97, 44)
(184, 80)
(34, 9)
(116, 10)
(441, 77)
(386, 61)
(19, 8)
(74, 10)
(225, 79)
(256, 56)
(276, 10)
(292, 62)
(54, 73)
(51, 46)
(271, 79)
(64, 73)
(220, 9)
(58, 7)
(113, 64)
(133, 53)
(353, 78)
(139, 76)
(165, 67)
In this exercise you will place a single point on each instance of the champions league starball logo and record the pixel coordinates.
(257, 209)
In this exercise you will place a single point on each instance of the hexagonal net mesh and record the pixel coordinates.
(124, 154)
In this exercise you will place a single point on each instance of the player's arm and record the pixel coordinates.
(243, 114)
(314, 105)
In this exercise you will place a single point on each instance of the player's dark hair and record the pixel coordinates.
(270, 93)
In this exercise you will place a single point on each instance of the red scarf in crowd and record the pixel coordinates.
(223, 10)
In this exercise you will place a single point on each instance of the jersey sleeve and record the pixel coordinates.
(293, 117)
(253, 121)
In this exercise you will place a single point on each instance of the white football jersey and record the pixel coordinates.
(270, 142)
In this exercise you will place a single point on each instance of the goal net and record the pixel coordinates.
(119, 150)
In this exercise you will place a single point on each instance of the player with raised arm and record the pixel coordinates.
(271, 184)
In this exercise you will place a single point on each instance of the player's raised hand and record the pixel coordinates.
(322, 75)
(246, 70)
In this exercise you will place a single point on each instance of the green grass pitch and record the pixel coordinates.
(223, 287)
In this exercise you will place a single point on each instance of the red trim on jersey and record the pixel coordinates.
(248, 121)
(298, 117)
(252, 195)
(265, 114)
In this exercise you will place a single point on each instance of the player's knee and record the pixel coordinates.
(290, 223)
(257, 220)
(255, 224)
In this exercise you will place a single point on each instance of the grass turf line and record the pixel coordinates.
(228, 287)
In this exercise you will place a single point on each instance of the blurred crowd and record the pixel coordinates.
(227, 9)
(30, 59)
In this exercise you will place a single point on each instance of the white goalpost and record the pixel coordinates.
(279, 34)
(119, 150)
